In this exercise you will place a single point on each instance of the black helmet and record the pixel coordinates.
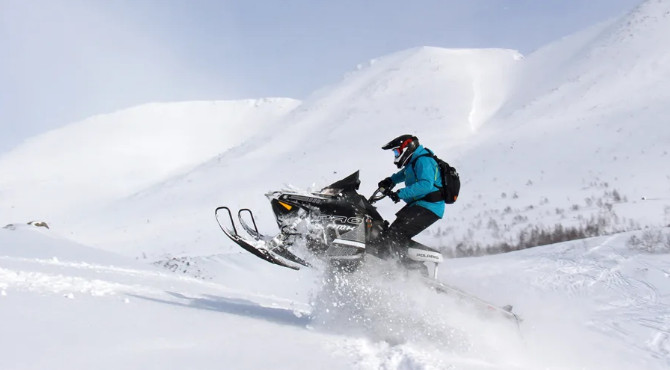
(403, 147)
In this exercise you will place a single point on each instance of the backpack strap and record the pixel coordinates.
(435, 196)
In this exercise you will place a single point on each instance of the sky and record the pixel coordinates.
(65, 60)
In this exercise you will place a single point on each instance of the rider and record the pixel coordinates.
(420, 172)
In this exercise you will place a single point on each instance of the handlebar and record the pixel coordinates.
(378, 195)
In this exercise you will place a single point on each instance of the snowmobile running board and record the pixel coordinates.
(278, 256)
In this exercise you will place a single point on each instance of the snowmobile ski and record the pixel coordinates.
(277, 243)
(254, 233)
(278, 255)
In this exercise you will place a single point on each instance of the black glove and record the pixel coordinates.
(394, 196)
(387, 183)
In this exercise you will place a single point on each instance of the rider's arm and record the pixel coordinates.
(398, 177)
(426, 174)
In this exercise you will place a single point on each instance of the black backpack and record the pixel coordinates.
(451, 182)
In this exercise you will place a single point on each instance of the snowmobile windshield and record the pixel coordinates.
(349, 183)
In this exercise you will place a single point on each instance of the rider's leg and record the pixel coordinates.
(410, 221)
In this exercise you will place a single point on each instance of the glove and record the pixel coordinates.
(387, 183)
(394, 196)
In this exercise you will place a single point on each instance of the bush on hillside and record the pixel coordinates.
(651, 241)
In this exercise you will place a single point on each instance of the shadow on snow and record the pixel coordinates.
(236, 306)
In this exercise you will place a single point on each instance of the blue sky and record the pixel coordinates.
(65, 60)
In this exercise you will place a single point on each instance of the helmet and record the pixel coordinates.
(403, 147)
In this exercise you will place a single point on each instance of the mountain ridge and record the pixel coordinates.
(547, 142)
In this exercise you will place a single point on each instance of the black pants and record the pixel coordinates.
(410, 221)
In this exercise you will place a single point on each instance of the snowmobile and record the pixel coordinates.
(340, 226)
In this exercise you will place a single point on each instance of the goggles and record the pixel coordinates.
(397, 152)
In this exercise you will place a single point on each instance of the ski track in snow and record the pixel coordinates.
(629, 297)
(52, 283)
(22, 276)
(68, 278)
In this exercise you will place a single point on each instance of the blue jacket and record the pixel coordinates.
(421, 177)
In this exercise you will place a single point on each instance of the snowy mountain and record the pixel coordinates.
(610, 69)
(571, 139)
(319, 142)
(111, 156)
(583, 129)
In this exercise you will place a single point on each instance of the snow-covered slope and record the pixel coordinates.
(599, 303)
(65, 306)
(610, 69)
(590, 304)
(582, 139)
(111, 156)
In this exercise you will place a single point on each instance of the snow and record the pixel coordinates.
(585, 304)
(134, 272)
(110, 156)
